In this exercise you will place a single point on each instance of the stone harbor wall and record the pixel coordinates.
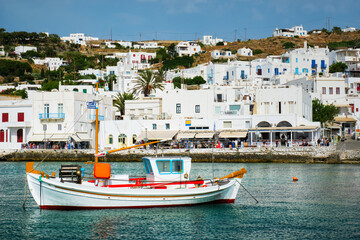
(266, 155)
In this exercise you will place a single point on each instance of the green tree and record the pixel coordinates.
(257, 51)
(337, 30)
(147, 82)
(119, 101)
(323, 113)
(337, 67)
(288, 45)
(220, 44)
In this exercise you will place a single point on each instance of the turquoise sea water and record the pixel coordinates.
(323, 204)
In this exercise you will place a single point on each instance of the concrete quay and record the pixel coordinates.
(297, 154)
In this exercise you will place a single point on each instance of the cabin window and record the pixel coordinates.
(163, 166)
(177, 166)
(147, 165)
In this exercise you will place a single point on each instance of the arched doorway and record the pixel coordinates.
(122, 140)
(263, 124)
(284, 124)
(19, 135)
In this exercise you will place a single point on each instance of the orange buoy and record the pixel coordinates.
(295, 179)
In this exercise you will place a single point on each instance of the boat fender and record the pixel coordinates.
(40, 178)
(204, 185)
(96, 182)
(186, 175)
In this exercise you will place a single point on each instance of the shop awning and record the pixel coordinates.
(204, 135)
(36, 138)
(233, 134)
(344, 119)
(186, 135)
(57, 138)
(81, 137)
(157, 135)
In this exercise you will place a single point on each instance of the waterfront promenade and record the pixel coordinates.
(343, 152)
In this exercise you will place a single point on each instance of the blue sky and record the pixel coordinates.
(174, 19)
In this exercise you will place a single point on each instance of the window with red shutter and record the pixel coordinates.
(2, 137)
(5, 117)
(19, 135)
(20, 117)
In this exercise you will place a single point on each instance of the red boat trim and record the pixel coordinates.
(153, 184)
(132, 196)
(55, 207)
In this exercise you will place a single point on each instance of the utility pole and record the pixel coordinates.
(245, 34)
(140, 37)
(156, 36)
(329, 23)
(111, 34)
(235, 35)
(195, 36)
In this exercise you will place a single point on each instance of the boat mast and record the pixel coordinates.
(97, 124)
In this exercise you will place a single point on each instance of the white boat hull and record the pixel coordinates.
(53, 194)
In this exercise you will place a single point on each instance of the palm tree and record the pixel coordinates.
(161, 74)
(148, 81)
(119, 101)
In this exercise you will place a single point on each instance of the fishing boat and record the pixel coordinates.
(166, 182)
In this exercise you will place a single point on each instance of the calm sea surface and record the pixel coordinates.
(323, 204)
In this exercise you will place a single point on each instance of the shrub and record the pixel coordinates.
(257, 51)
(288, 45)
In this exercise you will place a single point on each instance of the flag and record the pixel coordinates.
(100, 154)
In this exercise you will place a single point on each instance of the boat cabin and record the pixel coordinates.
(167, 168)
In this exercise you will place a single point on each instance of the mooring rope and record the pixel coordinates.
(46, 156)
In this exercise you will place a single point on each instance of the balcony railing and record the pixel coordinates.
(92, 117)
(51, 116)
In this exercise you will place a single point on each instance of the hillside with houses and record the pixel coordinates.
(296, 90)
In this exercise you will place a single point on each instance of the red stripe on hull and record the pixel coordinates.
(53, 207)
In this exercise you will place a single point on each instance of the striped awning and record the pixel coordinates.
(205, 135)
(344, 119)
(186, 135)
(157, 135)
(233, 134)
(36, 138)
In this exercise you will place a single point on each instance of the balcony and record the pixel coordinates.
(92, 117)
(323, 65)
(48, 116)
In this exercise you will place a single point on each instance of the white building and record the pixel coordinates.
(2, 51)
(16, 123)
(294, 31)
(216, 54)
(146, 45)
(125, 44)
(245, 51)
(52, 63)
(209, 40)
(349, 29)
(97, 72)
(63, 116)
(307, 61)
(348, 56)
(187, 48)
(284, 100)
(79, 38)
(23, 49)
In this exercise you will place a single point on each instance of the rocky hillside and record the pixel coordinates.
(274, 45)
